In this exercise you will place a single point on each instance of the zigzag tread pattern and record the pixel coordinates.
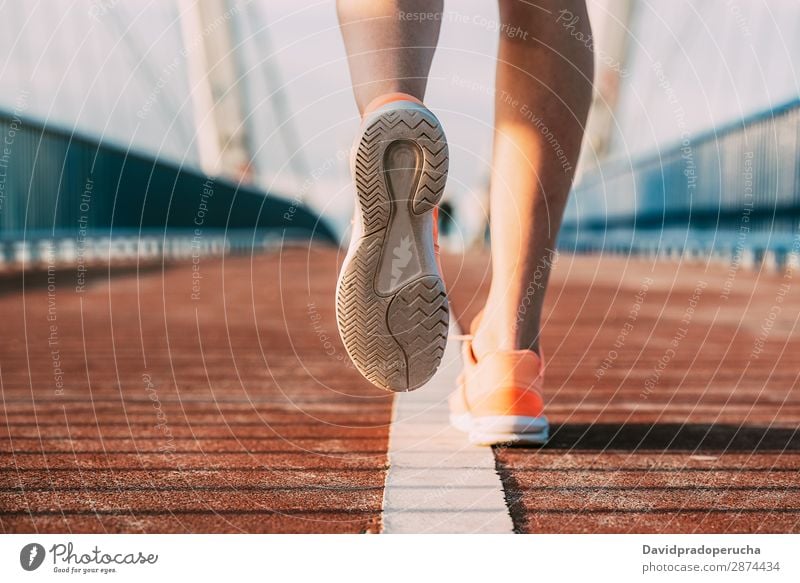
(422, 128)
(372, 194)
(418, 317)
(361, 316)
(434, 173)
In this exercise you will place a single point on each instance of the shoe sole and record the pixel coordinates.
(503, 429)
(391, 306)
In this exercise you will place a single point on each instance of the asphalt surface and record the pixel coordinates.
(132, 406)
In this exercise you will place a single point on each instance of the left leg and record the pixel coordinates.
(390, 45)
(391, 304)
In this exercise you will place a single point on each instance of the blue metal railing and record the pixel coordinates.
(699, 196)
(62, 187)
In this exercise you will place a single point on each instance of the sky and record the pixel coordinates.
(114, 69)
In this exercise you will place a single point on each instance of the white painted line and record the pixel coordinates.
(437, 482)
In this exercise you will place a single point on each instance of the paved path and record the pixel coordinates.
(674, 392)
(133, 406)
(231, 412)
(437, 482)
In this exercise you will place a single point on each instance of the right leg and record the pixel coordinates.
(544, 87)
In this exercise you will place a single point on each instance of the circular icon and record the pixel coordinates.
(31, 556)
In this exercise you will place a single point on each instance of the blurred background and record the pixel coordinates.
(130, 125)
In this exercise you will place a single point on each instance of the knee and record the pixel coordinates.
(543, 15)
(519, 12)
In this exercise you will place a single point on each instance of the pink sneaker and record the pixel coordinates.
(499, 397)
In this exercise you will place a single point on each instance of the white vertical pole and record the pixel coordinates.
(610, 22)
(206, 131)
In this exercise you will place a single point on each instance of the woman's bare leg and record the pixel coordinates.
(392, 310)
(544, 89)
(390, 45)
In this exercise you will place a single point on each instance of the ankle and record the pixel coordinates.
(386, 98)
(489, 338)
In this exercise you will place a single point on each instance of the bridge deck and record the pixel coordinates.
(132, 406)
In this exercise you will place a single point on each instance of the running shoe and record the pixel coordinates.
(391, 305)
(498, 398)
